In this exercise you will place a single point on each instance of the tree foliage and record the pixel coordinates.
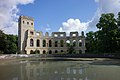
(107, 38)
(8, 43)
(71, 49)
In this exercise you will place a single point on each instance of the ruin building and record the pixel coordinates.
(30, 40)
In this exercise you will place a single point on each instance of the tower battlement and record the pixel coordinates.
(27, 17)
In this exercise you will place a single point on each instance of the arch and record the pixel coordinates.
(31, 42)
(56, 43)
(74, 43)
(25, 51)
(50, 52)
(50, 43)
(61, 43)
(56, 51)
(37, 52)
(44, 52)
(67, 50)
(31, 52)
(67, 43)
(44, 43)
(27, 23)
(38, 43)
(80, 43)
(23, 22)
(62, 51)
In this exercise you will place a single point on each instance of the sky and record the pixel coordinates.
(56, 15)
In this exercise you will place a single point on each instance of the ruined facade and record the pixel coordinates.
(30, 40)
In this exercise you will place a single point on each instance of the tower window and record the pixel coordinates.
(27, 22)
(31, 32)
(23, 22)
(31, 23)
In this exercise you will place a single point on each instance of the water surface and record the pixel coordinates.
(58, 70)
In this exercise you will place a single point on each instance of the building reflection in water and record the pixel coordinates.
(58, 70)
(54, 71)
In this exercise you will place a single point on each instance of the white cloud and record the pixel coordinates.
(104, 6)
(73, 25)
(48, 29)
(8, 14)
(109, 6)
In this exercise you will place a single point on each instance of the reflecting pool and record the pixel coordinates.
(58, 70)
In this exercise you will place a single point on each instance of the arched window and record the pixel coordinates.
(61, 51)
(56, 51)
(31, 52)
(74, 43)
(50, 52)
(80, 43)
(61, 43)
(38, 43)
(50, 43)
(37, 52)
(27, 23)
(23, 22)
(44, 43)
(68, 43)
(56, 43)
(31, 42)
(44, 52)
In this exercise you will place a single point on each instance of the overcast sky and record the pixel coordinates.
(56, 15)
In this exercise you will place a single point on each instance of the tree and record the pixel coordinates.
(107, 38)
(118, 33)
(90, 41)
(8, 43)
(107, 33)
(71, 49)
(2, 41)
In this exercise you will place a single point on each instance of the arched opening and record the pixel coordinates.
(56, 43)
(31, 52)
(50, 52)
(67, 50)
(74, 43)
(38, 43)
(56, 51)
(68, 43)
(61, 43)
(31, 42)
(62, 51)
(50, 43)
(44, 52)
(80, 43)
(25, 51)
(44, 43)
(37, 52)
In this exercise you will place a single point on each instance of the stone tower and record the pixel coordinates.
(24, 24)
